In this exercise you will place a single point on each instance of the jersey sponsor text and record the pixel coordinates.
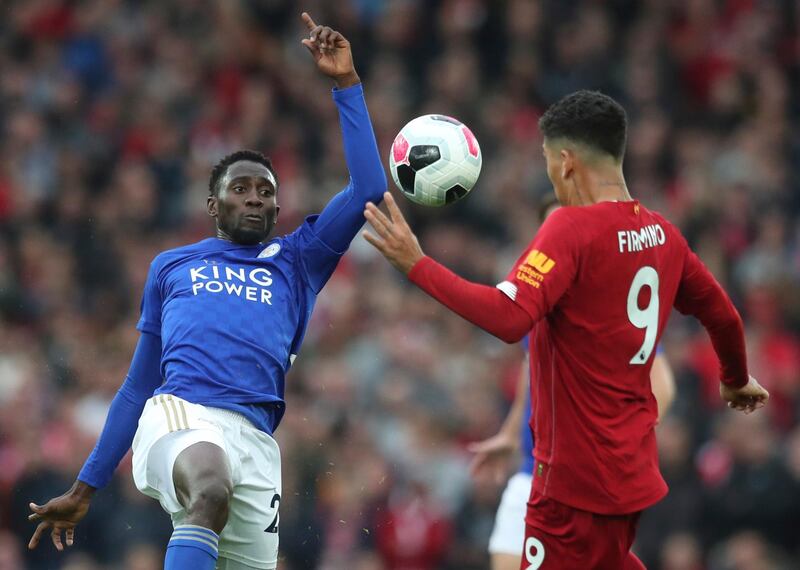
(250, 285)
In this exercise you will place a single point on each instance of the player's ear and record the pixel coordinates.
(567, 163)
(211, 206)
(277, 211)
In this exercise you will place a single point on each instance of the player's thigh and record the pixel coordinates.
(198, 468)
(619, 533)
(251, 535)
(558, 537)
(167, 427)
(508, 534)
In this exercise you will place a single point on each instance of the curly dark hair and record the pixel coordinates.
(221, 167)
(590, 118)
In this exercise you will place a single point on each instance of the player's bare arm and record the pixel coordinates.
(61, 514)
(494, 456)
(396, 242)
(331, 52)
(662, 382)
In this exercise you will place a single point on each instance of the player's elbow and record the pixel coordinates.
(513, 333)
(370, 188)
(514, 323)
(724, 321)
(378, 186)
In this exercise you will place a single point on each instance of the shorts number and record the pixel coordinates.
(646, 318)
(534, 559)
(273, 526)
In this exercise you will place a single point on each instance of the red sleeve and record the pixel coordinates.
(482, 305)
(700, 295)
(544, 272)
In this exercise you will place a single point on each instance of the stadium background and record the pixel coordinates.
(113, 111)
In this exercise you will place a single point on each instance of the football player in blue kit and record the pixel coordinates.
(221, 323)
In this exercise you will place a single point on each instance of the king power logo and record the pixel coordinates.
(252, 285)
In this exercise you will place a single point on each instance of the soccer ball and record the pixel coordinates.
(435, 160)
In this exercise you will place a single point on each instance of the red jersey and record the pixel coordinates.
(599, 283)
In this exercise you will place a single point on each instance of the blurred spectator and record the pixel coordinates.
(681, 552)
(748, 551)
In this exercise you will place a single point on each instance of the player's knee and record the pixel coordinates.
(209, 502)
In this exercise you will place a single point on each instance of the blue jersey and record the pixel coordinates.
(526, 439)
(221, 322)
(232, 318)
(525, 432)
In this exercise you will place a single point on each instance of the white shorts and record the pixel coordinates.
(508, 535)
(169, 425)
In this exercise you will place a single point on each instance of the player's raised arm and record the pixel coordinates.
(341, 219)
(482, 305)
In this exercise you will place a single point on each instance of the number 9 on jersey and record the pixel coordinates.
(646, 318)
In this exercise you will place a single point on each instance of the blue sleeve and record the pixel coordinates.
(143, 378)
(150, 320)
(342, 218)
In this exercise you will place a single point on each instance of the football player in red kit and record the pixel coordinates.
(594, 289)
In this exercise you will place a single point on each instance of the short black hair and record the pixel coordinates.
(222, 166)
(588, 117)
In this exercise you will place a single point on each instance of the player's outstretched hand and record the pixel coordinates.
(493, 456)
(395, 239)
(747, 399)
(61, 514)
(331, 51)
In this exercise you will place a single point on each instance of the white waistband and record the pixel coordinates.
(231, 415)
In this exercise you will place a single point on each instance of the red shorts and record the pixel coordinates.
(558, 537)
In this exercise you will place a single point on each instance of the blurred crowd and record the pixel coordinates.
(112, 113)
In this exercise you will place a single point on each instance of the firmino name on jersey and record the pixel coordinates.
(647, 237)
(250, 285)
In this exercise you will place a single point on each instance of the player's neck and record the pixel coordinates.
(221, 234)
(602, 185)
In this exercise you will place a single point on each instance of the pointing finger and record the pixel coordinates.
(70, 536)
(309, 22)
